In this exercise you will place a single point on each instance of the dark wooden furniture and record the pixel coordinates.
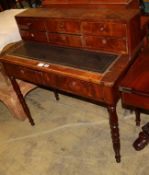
(82, 51)
(135, 86)
(143, 139)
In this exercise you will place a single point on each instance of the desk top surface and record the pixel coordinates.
(76, 58)
(81, 14)
(96, 67)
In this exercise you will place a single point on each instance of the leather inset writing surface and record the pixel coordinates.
(86, 60)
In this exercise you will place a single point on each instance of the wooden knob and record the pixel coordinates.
(64, 38)
(61, 25)
(102, 29)
(29, 24)
(104, 41)
(73, 83)
(22, 71)
(32, 35)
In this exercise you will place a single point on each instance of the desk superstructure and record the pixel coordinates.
(82, 51)
(92, 3)
(94, 29)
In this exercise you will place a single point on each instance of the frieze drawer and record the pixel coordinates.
(75, 86)
(23, 73)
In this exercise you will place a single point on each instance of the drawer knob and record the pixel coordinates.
(29, 24)
(22, 71)
(104, 41)
(102, 29)
(73, 83)
(32, 35)
(61, 25)
(64, 38)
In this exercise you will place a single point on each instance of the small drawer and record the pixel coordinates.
(72, 27)
(65, 40)
(74, 86)
(30, 24)
(23, 73)
(104, 29)
(106, 44)
(68, 84)
(33, 36)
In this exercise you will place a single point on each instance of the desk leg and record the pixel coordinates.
(113, 120)
(138, 119)
(21, 99)
(56, 95)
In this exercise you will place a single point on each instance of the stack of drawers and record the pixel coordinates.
(104, 30)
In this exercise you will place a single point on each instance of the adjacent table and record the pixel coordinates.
(135, 94)
(135, 86)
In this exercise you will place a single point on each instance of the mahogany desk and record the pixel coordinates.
(92, 75)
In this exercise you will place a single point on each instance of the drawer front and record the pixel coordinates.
(23, 73)
(65, 40)
(67, 84)
(72, 27)
(34, 36)
(74, 86)
(106, 44)
(104, 29)
(30, 24)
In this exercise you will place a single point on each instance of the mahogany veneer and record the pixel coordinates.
(60, 38)
(92, 3)
(61, 71)
(92, 29)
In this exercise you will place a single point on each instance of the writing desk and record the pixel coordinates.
(93, 75)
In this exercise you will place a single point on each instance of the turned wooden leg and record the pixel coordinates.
(56, 95)
(21, 99)
(143, 138)
(138, 120)
(113, 120)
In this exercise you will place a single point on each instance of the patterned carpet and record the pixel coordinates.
(71, 137)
